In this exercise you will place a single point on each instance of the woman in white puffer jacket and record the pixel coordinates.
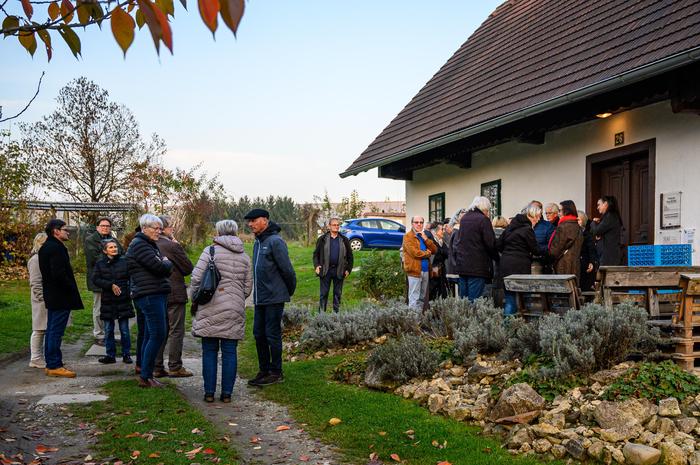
(221, 322)
(39, 314)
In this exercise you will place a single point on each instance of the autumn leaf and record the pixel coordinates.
(444, 463)
(395, 457)
(70, 38)
(335, 421)
(42, 449)
(282, 428)
(28, 41)
(382, 433)
(83, 12)
(133, 435)
(157, 24)
(154, 455)
(209, 451)
(122, 28)
(67, 14)
(209, 9)
(194, 451)
(54, 11)
(255, 440)
(135, 454)
(28, 9)
(374, 456)
(10, 22)
(304, 458)
(232, 12)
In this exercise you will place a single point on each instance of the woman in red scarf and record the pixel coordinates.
(565, 244)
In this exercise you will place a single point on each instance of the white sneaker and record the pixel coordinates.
(37, 364)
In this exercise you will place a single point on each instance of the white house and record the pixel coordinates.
(555, 100)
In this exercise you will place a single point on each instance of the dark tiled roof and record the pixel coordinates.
(531, 51)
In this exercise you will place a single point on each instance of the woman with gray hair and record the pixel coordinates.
(221, 321)
(149, 275)
(39, 315)
(474, 249)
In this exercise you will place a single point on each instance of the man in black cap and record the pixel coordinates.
(274, 282)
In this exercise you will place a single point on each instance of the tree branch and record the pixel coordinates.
(38, 88)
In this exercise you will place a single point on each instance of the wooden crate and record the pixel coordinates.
(537, 295)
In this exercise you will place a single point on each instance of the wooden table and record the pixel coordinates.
(539, 294)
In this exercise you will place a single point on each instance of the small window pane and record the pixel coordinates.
(389, 225)
(436, 207)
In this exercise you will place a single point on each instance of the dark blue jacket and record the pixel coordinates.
(149, 273)
(274, 280)
(543, 232)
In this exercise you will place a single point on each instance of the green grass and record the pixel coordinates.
(16, 315)
(162, 413)
(313, 399)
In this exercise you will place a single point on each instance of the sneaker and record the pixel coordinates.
(272, 378)
(37, 364)
(160, 373)
(127, 359)
(60, 372)
(209, 398)
(155, 383)
(225, 398)
(107, 360)
(180, 373)
(100, 342)
(258, 377)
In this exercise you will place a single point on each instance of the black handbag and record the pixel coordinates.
(210, 282)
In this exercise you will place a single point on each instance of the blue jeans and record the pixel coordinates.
(140, 334)
(210, 361)
(471, 287)
(267, 330)
(153, 308)
(510, 307)
(55, 327)
(110, 346)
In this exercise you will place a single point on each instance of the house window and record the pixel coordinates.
(436, 207)
(492, 191)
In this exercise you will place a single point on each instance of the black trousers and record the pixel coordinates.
(326, 287)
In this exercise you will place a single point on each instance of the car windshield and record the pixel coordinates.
(344, 224)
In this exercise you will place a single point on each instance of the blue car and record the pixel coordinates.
(373, 233)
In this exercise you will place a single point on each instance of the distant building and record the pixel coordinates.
(555, 100)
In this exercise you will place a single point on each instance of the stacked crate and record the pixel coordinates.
(686, 326)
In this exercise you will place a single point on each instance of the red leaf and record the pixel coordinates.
(304, 458)
(395, 457)
(67, 11)
(232, 12)
(209, 451)
(209, 9)
(282, 428)
(154, 455)
(42, 449)
(444, 463)
(46, 38)
(54, 11)
(122, 28)
(157, 24)
(255, 440)
(28, 8)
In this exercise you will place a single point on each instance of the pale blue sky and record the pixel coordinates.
(282, 109)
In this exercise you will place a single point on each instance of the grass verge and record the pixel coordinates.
(153, 426)
(372, 421)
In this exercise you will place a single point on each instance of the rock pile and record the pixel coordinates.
(579, 424)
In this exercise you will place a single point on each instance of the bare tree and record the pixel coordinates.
(89, 149)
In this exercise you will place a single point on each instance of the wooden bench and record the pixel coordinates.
(540, 294)
(687, 324)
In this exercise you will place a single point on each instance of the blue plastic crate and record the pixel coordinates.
(660, 255)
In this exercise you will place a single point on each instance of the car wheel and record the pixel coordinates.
(356, 244)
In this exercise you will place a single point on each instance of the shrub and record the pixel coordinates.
(397, 318)
(352, 366)
(402, 359)
(327, 330)
(654, 381)
(483, 331)
(295, 317)
(523, 340)
(381, 275)
(446, 317)
(445, 348)
(591, 339)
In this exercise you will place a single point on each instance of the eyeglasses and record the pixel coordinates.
(104, 225)
(157, 228)
(418, 222)
(63, 229)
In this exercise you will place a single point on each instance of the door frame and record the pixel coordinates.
(619, 153)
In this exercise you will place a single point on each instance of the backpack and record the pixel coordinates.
(210, 282)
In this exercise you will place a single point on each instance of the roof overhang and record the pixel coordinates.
(616, 82)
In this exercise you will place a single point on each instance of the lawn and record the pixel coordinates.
(153, 426)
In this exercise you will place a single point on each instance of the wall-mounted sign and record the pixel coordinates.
(671, 210)
(619, 138)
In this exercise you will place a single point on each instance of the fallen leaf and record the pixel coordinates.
(233, 424)
(395, 457)
(304, 458)
(148, 437)
(255, 440)
(154, 455)
(135, 454)
(87, 458)
(334, 421)
(257, 447)
(143, 420)
(373, 456)
(133, 435)
(436, 444)
(42, 449)
(486, 450)
(444, 463)
(209, 451)
(282, 428)
(382, 433)
(194, 451)
(196, 431)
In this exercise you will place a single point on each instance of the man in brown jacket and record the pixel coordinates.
(417, 249)
(177, 300)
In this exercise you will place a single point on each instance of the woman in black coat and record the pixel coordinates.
(589, 256)
(518, 245)
(607, 231)
(437, 284)
(111, 275)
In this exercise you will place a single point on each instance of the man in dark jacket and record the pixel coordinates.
(474, 249)
(93, 252)
(333, 263)
(177, 300)
(274, 282)
(61, 294)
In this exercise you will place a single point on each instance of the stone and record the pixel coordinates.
(459, 413)
(545, 429)
(477, 372)
(558, 420)
(694, 458)
(687, 425)
(622, 433)
(558, 451)
(666, 426)
(541, 446)
(575, 449)
(639, 454)
(373, 380)
(523, 418)
(669, 407)
(479, 411)
(436, 402)
(518, 437)
(457, 371)
(651, 439)
(606, 377)
(454, 381)
(517, 399)
(617, 454)
(83, 398)
(616, 414)
(441, 384)
(563, 407)
(671, 454)
(525, 448)
(595, 450)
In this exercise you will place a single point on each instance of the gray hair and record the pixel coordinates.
(226, 228)
(417, 216)
(533, 211)
(334, 219)
(552, 206)
(456, 217)
(166, 220)
(583, 216)
(39, 240)
(149, 219)
(480, 203)
(106, 242)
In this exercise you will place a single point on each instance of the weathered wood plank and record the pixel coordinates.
(557, 284)
(643, 276)
(692, 286)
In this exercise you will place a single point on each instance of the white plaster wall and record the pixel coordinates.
(556, 170)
